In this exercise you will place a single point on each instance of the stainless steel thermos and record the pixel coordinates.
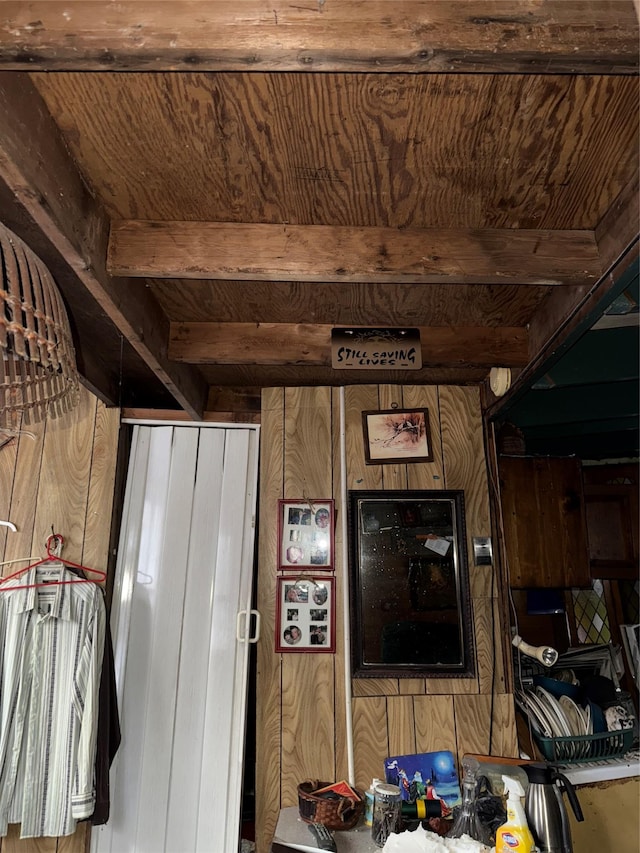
(545, 810)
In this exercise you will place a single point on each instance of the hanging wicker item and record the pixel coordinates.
(39, 375)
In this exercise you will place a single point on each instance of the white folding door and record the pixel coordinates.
(181, 631)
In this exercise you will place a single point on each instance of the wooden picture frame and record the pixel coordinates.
(306, 535)
(306, 615)
(393, 436)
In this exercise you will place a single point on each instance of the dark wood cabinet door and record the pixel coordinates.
(611, 500)
(543, 512)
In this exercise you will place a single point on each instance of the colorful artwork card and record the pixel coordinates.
(426, 776)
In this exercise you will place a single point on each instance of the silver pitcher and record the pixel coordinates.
(545, 809)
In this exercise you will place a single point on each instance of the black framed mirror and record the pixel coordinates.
(409, 585)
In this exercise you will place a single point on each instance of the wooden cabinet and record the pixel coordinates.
(543, 512)
(611, 500)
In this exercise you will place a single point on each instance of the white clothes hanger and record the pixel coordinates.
(18, 560)
(12, 526)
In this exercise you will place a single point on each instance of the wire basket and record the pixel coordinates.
(580, 749)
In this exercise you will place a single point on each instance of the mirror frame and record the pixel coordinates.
(359, 541)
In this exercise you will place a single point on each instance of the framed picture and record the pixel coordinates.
(305, 535)
(397, 435)
(305, 615)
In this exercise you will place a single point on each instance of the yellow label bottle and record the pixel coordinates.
(514, 834)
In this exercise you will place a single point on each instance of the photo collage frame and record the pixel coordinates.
(306, 535)
(305, 615)
(305, 618)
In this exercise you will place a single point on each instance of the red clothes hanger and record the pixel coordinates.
(54, 543)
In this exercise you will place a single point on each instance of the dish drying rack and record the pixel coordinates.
(580, 749)
(583, 749)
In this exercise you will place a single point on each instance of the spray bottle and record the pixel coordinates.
(514, 834)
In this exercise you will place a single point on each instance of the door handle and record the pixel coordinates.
(241, 626)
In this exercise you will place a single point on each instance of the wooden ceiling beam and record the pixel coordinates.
(36, 166)
(568, 313)
(508, 36)
(241, 251)
(564, 312)
(310, 344)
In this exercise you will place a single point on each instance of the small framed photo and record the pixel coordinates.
(397, 436)
(305, 615)
(305, 535)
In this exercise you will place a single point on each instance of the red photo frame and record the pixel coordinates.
(306, 615)
(306, 535)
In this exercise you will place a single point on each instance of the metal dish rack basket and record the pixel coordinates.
(580, 749)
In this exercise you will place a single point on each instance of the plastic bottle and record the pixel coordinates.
(514, 834)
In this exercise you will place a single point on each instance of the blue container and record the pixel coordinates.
(558, 688)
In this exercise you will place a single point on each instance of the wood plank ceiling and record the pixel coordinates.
(217, 185)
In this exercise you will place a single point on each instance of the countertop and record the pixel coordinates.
(624, 767)
(294, 832)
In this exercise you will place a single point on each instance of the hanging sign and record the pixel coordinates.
(375, 349)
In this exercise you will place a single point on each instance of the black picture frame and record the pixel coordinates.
(411, 611)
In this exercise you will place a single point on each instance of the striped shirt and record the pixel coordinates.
(51, 647)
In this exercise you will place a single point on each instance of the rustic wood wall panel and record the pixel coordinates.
(307, 437)
(25, 493)
(426, 475)
(268, 710)
(64, 480)
(60, 473)
(14, 844)
(401, 725)
(101, 486)
(308, 711)
(77, 843)
(359, 399)
(8, 458)
(376, 687)
(370, 734)
(473, 724)
(486, 620)
(435, 723)
(465, 468)
(390, 716)
(411, 686)
(393, 476)
(460, 429)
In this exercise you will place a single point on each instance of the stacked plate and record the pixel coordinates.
(557, 718)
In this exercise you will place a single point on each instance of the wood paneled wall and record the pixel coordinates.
(59, 474)
(301, 723)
